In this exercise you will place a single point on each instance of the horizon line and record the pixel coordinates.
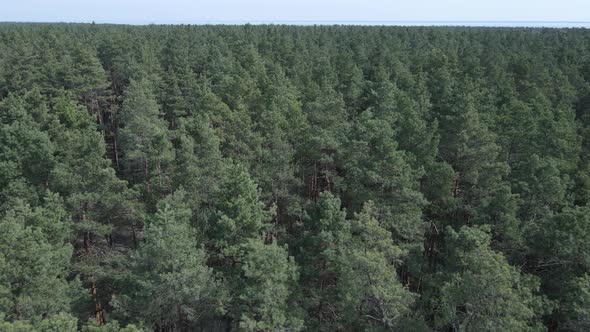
(519, 23)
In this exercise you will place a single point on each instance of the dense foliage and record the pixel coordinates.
(278, 178)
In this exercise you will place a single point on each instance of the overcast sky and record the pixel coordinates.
(199, 11)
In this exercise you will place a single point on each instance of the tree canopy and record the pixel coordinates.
(294, 178)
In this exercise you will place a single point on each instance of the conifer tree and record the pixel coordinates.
(258, 273)
(481, 291)
(35, 262)
(349, 274)
(170, 286)
(145, 142)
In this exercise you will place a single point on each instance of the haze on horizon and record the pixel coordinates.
(269, 11)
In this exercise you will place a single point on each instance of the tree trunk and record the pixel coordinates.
(134, 234)
(116, 152)
(98, 313)
(179, 317)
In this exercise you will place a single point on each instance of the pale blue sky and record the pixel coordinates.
(199, 11)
